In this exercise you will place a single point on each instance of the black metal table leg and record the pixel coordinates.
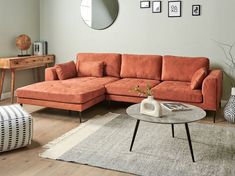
(189, 141)
(134, 135)
(173, 131)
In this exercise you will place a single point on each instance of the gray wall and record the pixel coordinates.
(140, 31)
(18, 17)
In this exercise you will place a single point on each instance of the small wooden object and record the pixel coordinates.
(22, 63)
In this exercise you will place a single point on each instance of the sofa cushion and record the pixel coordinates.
(176, 68)
(125, 86)
(198, 78)
(66, 70)
(111, 61)
(76, 90)
(90, 68)
(141, 66)
(177, 91)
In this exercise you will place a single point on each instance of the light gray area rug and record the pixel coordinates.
(105, 141)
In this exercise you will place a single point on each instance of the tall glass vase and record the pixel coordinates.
(229, 110)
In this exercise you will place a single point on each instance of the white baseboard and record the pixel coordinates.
(6, 95)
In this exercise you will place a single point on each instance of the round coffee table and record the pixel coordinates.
(168, 117)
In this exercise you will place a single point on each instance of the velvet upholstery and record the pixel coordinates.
(66, 70)
(176, 68)
(141, 66)
(122, 98)
(77, 90)
(125, 86)
(81, 93)
(212, 89)
(61, 105)
(50, 74)
(111, 61)
(51, 91)
(90, 68)
(198, 78)
(177, 91)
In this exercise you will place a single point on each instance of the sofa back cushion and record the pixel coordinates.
(141, 66)
(66, 70)
(177, 68)
(90, 68)
(112, 62)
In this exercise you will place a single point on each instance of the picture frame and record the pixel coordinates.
(40, 48)
(196, 10)
(157, 6)
(174, 8)
(144, 4)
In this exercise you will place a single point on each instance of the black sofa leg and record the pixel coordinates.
(21, 104)
(214, 115)
(80, 116)
(108, 103)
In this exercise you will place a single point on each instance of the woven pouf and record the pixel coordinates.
(15, 127)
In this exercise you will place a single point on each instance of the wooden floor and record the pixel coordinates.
(50, 124)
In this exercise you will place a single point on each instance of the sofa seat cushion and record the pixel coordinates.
(76, 90)
(177, 91)
(125, 86)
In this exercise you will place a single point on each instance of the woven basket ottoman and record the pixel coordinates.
(15, 127)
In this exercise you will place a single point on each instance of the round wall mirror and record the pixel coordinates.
(99, 14)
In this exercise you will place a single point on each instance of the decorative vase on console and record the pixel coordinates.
(149, 106)
(229, 110)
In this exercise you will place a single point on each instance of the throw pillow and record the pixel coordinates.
(198, 77)
(66, 70)
(90, 68)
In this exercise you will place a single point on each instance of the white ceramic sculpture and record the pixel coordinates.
(151, 107)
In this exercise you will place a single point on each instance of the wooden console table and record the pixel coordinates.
(22, 63)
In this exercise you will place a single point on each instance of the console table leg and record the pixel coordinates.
(1, 83)
(173, 131)
(134, 135)
(12, 85)
(38, 74)
(189, 141)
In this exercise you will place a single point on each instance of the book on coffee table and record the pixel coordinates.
(176, 106)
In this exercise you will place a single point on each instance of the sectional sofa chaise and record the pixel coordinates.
(96, 77)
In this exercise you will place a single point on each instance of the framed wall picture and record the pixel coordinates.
(196, 10)
(144, 4)
(156, 6)
(174, 8)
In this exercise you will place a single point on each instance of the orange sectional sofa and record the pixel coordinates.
(96, 77)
